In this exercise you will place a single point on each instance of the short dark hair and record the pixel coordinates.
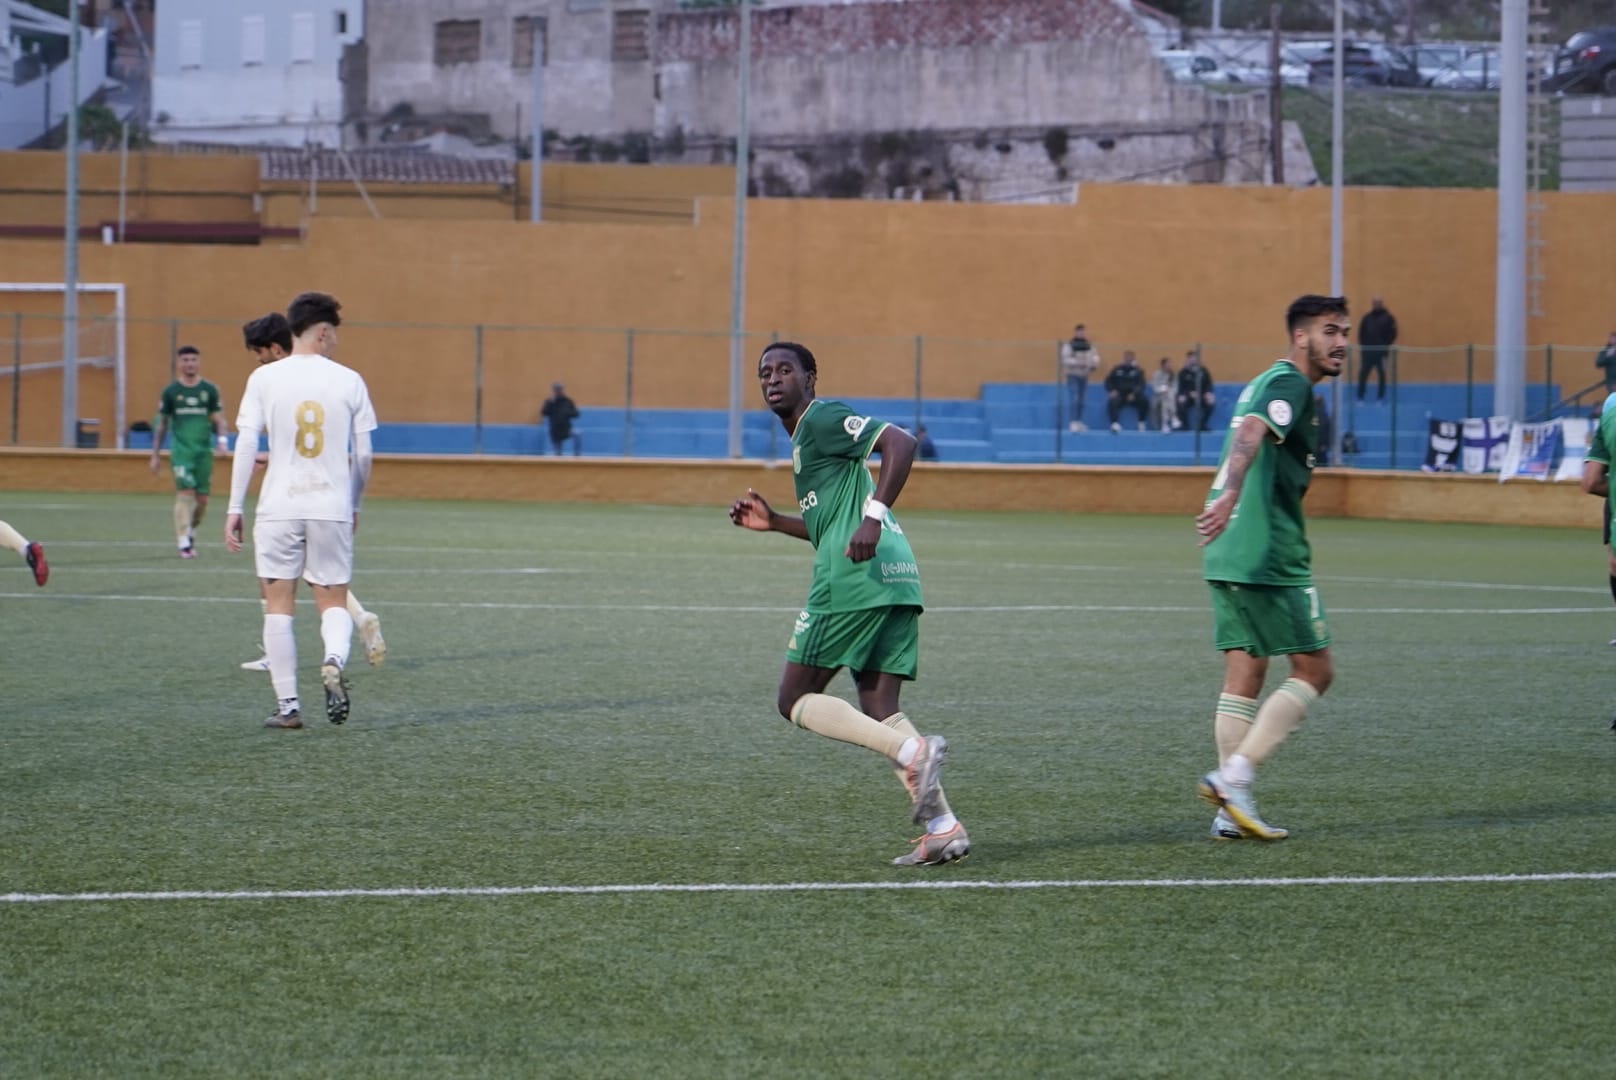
(189, 350)
(311, 308)
(1307, 308)
(271, 329)
(804, 356)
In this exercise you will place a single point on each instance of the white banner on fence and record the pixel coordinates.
(1534, 450)
(1486, 438)
(1575, 432)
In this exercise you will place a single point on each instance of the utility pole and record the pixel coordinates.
(1276, 98)
(70, 255)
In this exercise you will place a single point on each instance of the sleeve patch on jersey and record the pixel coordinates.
(1279, 411)
(854, 425)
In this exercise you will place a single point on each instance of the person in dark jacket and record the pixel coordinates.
(559, 412)
(1377, 333)
(1196, 396)
(1125, 388)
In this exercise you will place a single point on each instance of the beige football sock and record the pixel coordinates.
(355, 609)
(13, 539)
(1232, 723)
(184, 511)
(836, 719)
(1280, 715)
(900, 723)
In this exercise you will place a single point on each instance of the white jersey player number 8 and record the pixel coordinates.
(310, 429)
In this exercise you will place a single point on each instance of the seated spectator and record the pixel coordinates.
(926, 450)
(1163, 402)
(1196, 394)
(1125, 389)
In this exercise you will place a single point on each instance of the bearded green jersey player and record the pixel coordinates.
(1596, 481)
(1259, 566)
(864, 605)
(193, 409)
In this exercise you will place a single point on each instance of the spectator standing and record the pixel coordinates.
(1376, 336)
(559, 412)
(1079, 360)
(1163, 402)
(1196, 393)
(1606, 363)
(1124, 389)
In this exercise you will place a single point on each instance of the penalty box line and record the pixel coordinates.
(806, 887)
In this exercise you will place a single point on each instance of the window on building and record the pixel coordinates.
(303, 37)
(252, 40)
(529, 36)
(457, 41)
(631, 35)
(190, 43)
(342, 23)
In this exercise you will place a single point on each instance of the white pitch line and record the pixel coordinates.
(747, 609)
(808, 886)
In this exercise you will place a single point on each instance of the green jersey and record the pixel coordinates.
(1602, 444)
(1266, 541)
(189, 410)
(828, 451)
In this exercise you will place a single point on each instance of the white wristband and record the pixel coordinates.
(224, 442)
(876, 509)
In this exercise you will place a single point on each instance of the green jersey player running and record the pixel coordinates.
(192, 407)
(863, 610)
(1258, 563)
(1596, 481)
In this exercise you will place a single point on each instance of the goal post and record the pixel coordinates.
(33, 359)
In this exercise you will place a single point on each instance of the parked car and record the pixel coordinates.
(1585, 64)
(1432, 61)
(1478, 71)
(1366, 65)
(1193, 67)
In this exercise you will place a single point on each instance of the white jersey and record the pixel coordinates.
(310, 407)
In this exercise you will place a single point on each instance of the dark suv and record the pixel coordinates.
(1365, 65)
(1585, 64)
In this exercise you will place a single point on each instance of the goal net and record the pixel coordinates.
(34, 363)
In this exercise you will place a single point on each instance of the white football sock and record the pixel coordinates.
(336, 630)
(281, 648)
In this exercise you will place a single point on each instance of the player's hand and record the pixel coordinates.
(356, 523)
(1211, 522)
(862, 547)
(232, 532)
(752, 512)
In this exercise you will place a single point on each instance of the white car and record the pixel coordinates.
(1192, 67)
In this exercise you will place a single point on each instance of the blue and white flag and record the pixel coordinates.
(1486, 438)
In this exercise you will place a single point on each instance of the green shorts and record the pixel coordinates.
(877, 639)
(1269, 620)
(193, 472)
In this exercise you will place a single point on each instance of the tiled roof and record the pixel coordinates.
(385, 166)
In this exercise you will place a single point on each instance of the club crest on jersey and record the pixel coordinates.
(1279, 411)
(796, 460)
(854, 425)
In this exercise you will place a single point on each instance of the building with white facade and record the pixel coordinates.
(252, 71)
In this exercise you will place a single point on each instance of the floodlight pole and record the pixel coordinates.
(536, 185)
(1509, 325)
(737, 288)
(70, 256)
(1337, 208)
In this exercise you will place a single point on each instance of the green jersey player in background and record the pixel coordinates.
(194, 409)
(1596, 481)
(863, 609)
(1259, 566)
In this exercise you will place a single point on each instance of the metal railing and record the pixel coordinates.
(652, 391)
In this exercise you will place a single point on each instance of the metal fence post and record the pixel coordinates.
(16, 373)
(1470, 380)
(173, 348)
(628, 392)
(1063, 405)
(920, 353)
(1548, 379)
(477, 419)
(1393, 352)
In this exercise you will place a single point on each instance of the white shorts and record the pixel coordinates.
(321, 552)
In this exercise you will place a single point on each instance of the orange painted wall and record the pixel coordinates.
(991, 288)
